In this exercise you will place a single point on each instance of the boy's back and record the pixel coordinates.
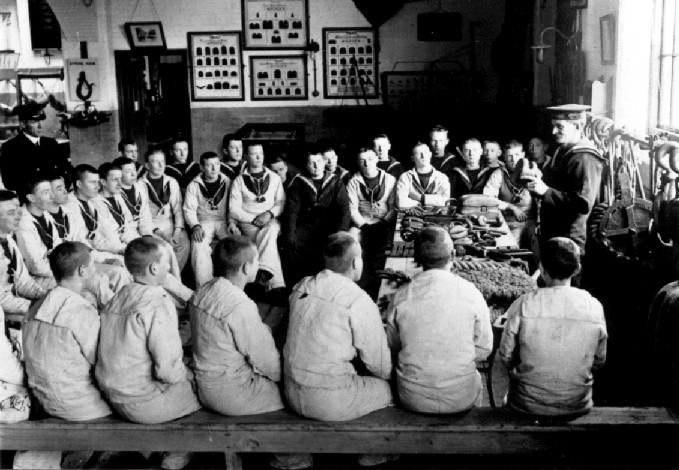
(140, 366)
(553, 339)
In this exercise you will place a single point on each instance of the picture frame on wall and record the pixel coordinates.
(608, 36)
(350, 63)
(216, 64)
(278, 78)
(145, 36)
(275, 24)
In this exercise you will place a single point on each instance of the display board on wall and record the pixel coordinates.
(278, 78)
(350, 63)
(216, 66)
(83, 79)
(405, 91)
(275, 24)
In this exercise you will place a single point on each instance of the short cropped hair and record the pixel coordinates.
(122, 161)
(81, 170)
(433, 248)
(491, 141)
(228, 138)
(365, 149)
(419, 143)
(207, 155)
(106, 168)
(560, 258)
(230, 253)
(438, 128)
(153, 151)
(471, 140)
(7, 195)
(513, 144)
(281, 158)
(140, 253)
(381, 136)
(124, 142)
(35, 181)
(180, 139)
(337, 252)
(67, 257)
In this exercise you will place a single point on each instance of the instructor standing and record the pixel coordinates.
(570, 182)
(29, 155)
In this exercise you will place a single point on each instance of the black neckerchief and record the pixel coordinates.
(161, 198)
(375, 194)
(116, 210)
(44, 229)
(257, 185)
(232, 171)
(62, 223)
(425, 178)
(90, 217)
(10, 254)
(214, 197)
(132, 200)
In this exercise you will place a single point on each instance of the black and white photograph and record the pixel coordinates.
(339, 234)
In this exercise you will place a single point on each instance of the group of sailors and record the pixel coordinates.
(95, 276)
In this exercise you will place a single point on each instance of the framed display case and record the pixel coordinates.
(350, 63)
(216, 66)
(278, 77)
(275, 24)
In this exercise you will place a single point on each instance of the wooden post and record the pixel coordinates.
(233, 461)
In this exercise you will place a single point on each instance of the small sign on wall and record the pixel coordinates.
(216, 66)
(83, 79)
(275, 24)
(278, 78)
(350, 62)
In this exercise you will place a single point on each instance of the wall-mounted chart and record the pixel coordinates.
(275, 24)
(350, 63)
(278, 78)
(216, 66)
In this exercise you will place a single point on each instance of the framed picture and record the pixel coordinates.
(608, 36)
(143, 36)
(216, 66)
(578, 3)
(274, 78)
(350, 63)
(275, 24)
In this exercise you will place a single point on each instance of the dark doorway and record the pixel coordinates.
(153, 97)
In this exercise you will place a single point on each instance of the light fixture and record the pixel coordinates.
(48, 57)
(540, 48)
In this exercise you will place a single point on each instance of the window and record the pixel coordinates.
(665, 93)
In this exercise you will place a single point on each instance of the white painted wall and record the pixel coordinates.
(398, 37)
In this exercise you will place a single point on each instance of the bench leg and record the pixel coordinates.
(233, 461)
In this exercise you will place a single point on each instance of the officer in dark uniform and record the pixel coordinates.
(571, 181)
(29, 155)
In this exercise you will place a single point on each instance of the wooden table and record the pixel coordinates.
(410, 268)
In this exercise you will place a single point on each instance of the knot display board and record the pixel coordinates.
(278, 78)
(275, 24)
(350, 62)
(216, 66)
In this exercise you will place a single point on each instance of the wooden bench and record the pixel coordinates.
(653, 431)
